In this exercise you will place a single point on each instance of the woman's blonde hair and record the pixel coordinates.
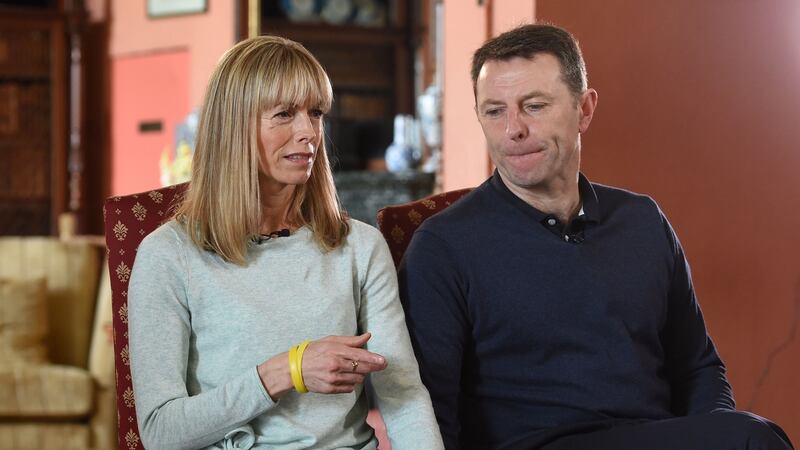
(221, 210)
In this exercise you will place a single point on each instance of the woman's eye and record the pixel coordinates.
(282, 115)
(316, 113)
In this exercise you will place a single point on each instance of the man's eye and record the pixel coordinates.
(494, 112)
(535, 107)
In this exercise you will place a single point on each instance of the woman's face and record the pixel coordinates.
(289, 138)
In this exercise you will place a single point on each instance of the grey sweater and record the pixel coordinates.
(199, 326)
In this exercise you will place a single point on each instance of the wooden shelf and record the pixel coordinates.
(336, 34)
(371, 70)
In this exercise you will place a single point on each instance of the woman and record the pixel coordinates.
(258, 259)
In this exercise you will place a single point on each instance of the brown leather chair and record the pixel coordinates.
(398, 222)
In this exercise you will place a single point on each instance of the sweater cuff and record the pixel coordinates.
(255, 378)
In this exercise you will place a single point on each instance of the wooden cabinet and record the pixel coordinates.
(371, 69)
(33, 136)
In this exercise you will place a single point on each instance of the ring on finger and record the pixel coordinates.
(354, 363)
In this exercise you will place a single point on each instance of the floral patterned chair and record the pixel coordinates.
(398, 222)
(128, 219)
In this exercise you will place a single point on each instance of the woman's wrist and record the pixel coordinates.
(275, 375)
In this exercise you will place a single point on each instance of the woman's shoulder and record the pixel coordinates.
(360, 231)
(166, 238)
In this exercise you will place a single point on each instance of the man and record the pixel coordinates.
(551, 312)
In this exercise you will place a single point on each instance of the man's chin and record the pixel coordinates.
(520, 179)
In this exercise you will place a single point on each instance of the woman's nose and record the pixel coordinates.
(304, 127)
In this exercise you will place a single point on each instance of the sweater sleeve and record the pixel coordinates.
(160, 332)
(434, 298)
(695, 370)
(400, 395)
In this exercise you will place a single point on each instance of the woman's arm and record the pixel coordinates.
(400, 395)
(160, 329)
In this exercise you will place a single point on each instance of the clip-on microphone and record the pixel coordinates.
(275, 234)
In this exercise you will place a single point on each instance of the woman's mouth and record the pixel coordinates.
(300, 158)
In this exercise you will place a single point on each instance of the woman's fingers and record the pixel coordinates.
(344, 378)
(363, 365)
(336, 364)
(336, 345)
(350, 341)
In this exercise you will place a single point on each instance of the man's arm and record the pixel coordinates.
(433, 293)
(695, 370)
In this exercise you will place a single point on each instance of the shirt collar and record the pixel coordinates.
(590, 208)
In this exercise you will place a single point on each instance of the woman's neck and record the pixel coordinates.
(275, 209)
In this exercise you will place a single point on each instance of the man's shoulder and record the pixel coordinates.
(464, 214)
(624, 208)
(620, 198)
(615, 193)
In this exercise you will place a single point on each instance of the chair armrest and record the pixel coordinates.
(101, 350)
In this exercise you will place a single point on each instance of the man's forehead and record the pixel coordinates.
(537, 62)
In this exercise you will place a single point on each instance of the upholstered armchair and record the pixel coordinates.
(128, 219)
(56, 373)
(398, 222)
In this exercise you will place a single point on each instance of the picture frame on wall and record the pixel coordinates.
(167, 8)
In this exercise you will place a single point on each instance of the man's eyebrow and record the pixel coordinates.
(535, 94)
(528, 96)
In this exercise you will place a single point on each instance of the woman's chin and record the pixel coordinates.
(298, 179)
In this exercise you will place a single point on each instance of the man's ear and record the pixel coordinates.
(588, 102)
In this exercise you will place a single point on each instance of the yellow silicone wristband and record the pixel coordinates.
(299, 357)
(297, 379)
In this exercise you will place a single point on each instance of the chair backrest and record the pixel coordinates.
(128, 219)
(398, 222)
(71, 269)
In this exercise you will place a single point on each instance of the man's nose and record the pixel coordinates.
(515, 126)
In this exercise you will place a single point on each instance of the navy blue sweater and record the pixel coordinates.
(522, 324)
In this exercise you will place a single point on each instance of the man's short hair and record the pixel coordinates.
(527, 41)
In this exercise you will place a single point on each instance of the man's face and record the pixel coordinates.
(532, 121)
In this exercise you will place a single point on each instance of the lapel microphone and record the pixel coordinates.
(275, 234)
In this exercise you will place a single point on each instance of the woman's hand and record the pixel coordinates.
(331, 365)
(336, 364)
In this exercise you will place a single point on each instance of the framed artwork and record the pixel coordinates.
(164, 8)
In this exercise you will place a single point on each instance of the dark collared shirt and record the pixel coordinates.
(519, 330)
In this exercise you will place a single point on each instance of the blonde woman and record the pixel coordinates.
(261, 289)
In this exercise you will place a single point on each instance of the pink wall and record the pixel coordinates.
(205, 36)
(151, 87)
(464, 157)
(698, 106)
(507, 14)
(159, 71)
(465, 161)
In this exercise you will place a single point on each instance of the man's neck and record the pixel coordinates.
(562, 200)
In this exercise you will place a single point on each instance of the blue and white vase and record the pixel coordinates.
(403, 153)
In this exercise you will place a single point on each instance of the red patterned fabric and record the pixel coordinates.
(128, 219)
(398, 222)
